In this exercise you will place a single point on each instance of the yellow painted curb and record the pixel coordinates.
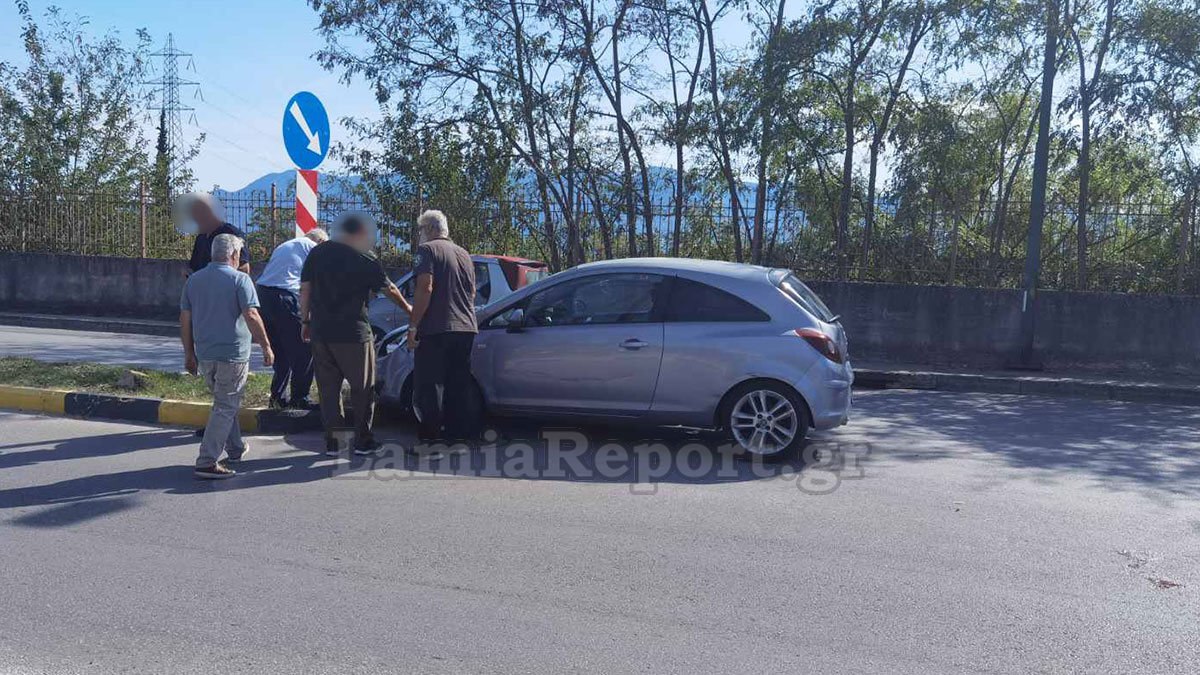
(248, 420)
(32, 399)
(192, 414)
(170, 413)
(183, 413)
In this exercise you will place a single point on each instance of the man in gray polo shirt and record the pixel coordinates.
(442, 332)
(218, 316)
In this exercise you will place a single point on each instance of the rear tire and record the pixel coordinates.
(765, 419)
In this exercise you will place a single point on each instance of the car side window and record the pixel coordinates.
(503, 319)
(483, 284)
(692, 301)
(598, 299)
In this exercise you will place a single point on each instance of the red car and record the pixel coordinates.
(496, 276)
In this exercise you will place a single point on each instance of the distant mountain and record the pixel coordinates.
(285, 184)
(240, 204)
(662, 180)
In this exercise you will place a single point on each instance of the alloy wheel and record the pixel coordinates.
(764, 422)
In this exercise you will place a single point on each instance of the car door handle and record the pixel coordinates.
(633, 343)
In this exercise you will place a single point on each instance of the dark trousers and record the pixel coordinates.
(280, 310)
(442, 386)
(353, 362)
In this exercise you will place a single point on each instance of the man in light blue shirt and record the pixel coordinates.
(218, 316)
(279, 293)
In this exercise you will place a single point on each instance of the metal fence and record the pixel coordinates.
(1144, 248)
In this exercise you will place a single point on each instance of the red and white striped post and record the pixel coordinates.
(306, 201)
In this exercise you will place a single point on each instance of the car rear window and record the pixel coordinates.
(694, 301)
(801, 294)
(534, 275)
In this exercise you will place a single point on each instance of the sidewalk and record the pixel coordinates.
(103, 324)
(1140, 387)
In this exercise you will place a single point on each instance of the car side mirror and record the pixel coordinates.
(516, 321)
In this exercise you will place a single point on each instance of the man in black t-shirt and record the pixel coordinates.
(339, 278)
(203, 210)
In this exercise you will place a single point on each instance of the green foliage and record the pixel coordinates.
(70, 118)
(874, 139)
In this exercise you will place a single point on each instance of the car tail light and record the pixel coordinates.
(822, 343)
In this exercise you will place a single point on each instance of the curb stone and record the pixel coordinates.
(868, 378)
(88, 323)
(150, 410)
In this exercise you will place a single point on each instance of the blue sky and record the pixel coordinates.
(250, 57)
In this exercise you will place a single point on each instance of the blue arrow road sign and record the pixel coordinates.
(306, 130)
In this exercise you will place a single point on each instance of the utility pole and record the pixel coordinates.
(1025, 357)
(169, 104)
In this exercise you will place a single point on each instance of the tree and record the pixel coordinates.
(722, 145)
(913, 23)
(672, 26)
(590, 28)
(1092, 38)
(74, 109)
(504, 54)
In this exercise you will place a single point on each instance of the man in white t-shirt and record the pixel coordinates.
(279, 294)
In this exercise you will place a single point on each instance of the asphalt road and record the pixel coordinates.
(986, 534)
(118, 349)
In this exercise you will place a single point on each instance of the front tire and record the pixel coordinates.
(766, 419)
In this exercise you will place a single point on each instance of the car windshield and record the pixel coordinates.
(801, 294)
(535, 275)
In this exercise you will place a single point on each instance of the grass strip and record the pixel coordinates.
(96, 378)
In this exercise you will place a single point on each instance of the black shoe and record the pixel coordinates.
(278, 404)
(331, 449)
(215, 472)
(368, 448)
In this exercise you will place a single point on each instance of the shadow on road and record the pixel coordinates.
(644, 457)
(103, 445)
(1126, 445)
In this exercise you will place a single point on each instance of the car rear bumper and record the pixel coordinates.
(826, 388)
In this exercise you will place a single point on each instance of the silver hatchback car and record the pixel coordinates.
(668, 341)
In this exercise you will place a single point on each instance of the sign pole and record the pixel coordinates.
(306, 138)
(306, 202)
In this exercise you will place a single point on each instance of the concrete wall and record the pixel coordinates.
(980, 326)
(886, 322)
(91, 285)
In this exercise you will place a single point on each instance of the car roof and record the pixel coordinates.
(714, 267)
(506, 258)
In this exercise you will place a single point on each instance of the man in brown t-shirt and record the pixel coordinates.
(442, 332)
